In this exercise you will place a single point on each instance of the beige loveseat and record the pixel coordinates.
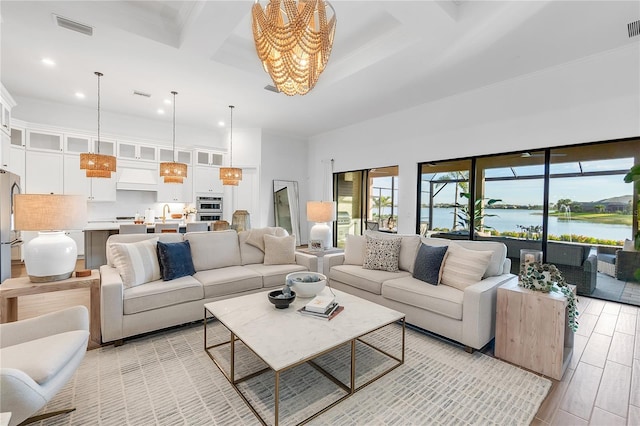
(466, 316)
(225, 266)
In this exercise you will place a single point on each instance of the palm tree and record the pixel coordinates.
(380, 203)
(462, 186)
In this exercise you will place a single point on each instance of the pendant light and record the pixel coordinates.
(98, 165)
(173, 172)
(230, 175)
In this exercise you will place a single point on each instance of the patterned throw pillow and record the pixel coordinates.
(428, 263)
(279, 250)
(382, 253)
(175, 260)
(464, 267)
(137, 263)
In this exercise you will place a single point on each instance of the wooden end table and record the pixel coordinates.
(13, 288)
(532, 329)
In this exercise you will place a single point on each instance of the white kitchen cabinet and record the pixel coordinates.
(17, 161)
(182, 156)
(5, 151)
(207, 180)
(103, 189)
(6, 104)
(176, 192)
(44, 141)
(76, 144)
(106, 146)
(209, 158)
(44, 172)
(75, 181)
(134, 151)
(18, 137)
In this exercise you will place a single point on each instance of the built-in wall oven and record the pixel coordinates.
(209, 208)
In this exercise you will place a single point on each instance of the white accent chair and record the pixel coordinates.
(38, 356)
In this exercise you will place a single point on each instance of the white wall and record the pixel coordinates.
(594, 99)
(114, 125)
(284, 158)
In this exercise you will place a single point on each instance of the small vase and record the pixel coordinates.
(191, 217)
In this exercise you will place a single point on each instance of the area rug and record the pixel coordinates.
(166, 378)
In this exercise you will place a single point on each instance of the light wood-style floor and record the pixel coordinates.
(600, 387)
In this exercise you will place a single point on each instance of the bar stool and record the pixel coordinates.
(167, 227)
(197, 226)
(133, 229)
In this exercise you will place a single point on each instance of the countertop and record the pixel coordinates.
(104, 225)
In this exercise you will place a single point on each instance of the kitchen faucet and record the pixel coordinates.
(164, 215)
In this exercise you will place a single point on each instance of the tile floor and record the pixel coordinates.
(609, 288)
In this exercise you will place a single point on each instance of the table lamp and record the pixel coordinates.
(52, 255)
(321, 212)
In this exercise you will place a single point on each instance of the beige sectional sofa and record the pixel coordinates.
(466, 316)
(225, 266)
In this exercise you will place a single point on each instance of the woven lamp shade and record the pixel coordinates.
(173, 172)
(230, 175)
(48, 212)
(97, 165)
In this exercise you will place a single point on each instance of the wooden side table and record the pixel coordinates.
(532, 330)
(13, 288)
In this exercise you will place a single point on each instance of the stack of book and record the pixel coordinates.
(323, 307)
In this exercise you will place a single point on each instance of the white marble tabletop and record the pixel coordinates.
(283, 337)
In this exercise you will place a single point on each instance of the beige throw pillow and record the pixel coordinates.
(382, 253)
(463, 267)
(354, 249)
(256, 236)
(279, 250)
(137, 263)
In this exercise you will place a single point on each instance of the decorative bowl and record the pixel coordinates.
(176, 215)
(280, 302)
(307, 288)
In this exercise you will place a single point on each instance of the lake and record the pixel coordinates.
(508, 219)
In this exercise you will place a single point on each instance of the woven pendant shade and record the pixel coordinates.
(230, 176)
(171, 171)
(97, 165)
(293, 40)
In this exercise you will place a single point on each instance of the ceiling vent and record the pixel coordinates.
(139, 93)
(633, 28)
(271, 88)
(73, 25)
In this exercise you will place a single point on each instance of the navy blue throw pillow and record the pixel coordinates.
(428, 262)
(175, 260)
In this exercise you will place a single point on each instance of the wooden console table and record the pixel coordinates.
(13, 288)
(532, 330)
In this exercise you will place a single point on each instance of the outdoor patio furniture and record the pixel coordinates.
(618, 263)
(607, 260)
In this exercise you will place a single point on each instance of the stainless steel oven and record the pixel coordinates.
(209, 204)
(209, 208)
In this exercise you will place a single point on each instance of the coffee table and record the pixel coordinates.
(284, 339)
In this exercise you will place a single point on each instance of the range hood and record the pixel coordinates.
(130, 179)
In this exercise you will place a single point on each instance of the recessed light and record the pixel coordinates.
(160, 111)
(80, 95)
(48, 62)
(221, 123)
(167, 101)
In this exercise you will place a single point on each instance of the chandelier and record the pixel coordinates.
(97, 165)
(293, 41)
(173, 172)
(230, 175)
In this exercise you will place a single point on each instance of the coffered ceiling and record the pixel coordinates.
(387, 55)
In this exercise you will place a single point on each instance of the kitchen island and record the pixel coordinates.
(96, 235)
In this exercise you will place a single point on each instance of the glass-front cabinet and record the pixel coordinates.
(135, 151)
(209, 158)
(181, 156)
(44, 141)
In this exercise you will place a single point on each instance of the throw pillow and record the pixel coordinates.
(256, 236)
(428, 264)
(137, 263)
(463, 267)
(354, 249)
(628, 245)
(382, 253)
(175, 260)
(279, 250)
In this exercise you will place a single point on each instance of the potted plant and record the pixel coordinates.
(475, 219)
(546, 277)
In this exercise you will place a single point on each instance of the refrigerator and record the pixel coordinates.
(9, 186)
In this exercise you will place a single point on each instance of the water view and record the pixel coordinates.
(507, 220)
